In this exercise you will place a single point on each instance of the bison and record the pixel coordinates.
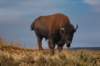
(57, 28)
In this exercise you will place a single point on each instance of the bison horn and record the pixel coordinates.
(76, 27)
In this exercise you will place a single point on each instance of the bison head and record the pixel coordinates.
(67, 34)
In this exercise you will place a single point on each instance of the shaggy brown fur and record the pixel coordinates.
(56, 28)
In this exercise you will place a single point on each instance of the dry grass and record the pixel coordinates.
(16, 56)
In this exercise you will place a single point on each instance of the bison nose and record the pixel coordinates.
(68, 43)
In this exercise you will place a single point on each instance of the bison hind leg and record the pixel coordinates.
(39, 40)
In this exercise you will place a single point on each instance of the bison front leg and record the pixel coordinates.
(60, 48)
(51, 46)
(60, 45)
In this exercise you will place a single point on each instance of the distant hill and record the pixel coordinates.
(88, 48)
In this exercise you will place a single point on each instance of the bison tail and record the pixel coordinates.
(32, 26)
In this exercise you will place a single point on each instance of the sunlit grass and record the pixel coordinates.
(17, 56)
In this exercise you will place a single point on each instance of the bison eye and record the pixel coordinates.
(62, 30)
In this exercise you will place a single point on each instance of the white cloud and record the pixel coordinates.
(16, 11)
(94, 3)
(12, 11)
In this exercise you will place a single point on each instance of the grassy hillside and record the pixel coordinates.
(15, 56)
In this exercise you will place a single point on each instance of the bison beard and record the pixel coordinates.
(56, 28)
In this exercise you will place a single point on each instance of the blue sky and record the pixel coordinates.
(16, 17)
